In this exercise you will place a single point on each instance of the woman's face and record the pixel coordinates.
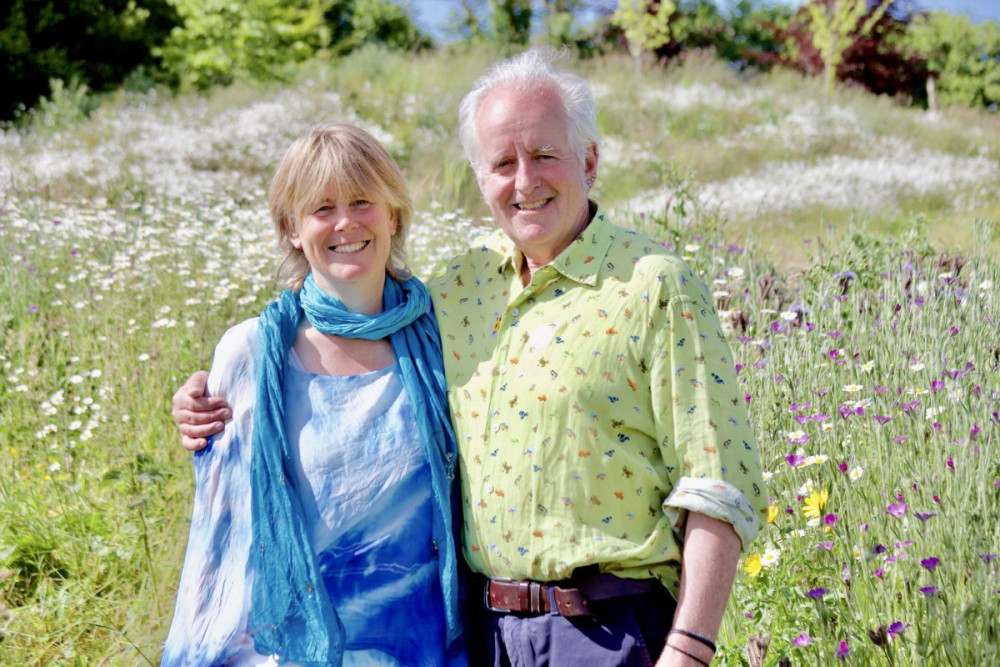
(346, 240)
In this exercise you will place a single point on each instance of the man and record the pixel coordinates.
(607, 465)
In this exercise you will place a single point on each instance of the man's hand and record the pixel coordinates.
(196, 415)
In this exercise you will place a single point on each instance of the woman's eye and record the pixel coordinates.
(361, 203)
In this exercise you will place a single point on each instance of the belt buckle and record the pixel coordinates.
(486, 594)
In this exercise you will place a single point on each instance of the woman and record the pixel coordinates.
(322, 524)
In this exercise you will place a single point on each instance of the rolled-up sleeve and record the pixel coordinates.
(705, 436)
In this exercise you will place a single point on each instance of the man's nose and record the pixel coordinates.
(526, 178)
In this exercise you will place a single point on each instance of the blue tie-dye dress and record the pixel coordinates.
(364, 483)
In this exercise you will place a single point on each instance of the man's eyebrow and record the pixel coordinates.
(547, 148)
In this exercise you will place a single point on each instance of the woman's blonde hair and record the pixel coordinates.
(332, 160)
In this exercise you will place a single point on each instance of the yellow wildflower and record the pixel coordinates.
(753, 565)
(772, 513)
(813, 505)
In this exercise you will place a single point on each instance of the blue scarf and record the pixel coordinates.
(291, 614)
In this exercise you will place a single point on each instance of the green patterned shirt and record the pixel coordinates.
(593, 408)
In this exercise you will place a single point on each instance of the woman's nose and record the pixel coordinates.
(345, 220)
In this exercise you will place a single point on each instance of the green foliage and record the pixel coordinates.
(96, 43)
(510, 21)
(836, 24)
(964, 58)
(219, 41)
(387, 23)
(66, 105)
(646, 24)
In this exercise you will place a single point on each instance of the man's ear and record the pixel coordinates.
(590, 160)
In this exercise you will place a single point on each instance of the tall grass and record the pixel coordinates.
(865, 329)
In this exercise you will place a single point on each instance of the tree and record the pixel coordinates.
(646, 24)
(220, 41)
(836, 24)
(963, 59)
(876, 61)
(387, 23)
(95, 43)
(510, 21)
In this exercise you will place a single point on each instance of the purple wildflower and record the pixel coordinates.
(824, 546)
(988, 558)
(923, 516)
(929, 591)
(896, 509)
(896, 629)
(930, 563)
(843, 651)
(816, 593)
(803, 640)
(830, 519)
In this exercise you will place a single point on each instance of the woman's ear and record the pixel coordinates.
(293, 234)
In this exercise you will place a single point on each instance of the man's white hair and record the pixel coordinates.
(531, 70)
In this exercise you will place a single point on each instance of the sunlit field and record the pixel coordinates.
(851, 244)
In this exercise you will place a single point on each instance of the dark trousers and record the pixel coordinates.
(627, 631)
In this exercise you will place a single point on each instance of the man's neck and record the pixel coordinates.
(530, 264)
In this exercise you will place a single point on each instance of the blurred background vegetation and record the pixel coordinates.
(68, 53)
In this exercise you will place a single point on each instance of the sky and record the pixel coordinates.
(432, 14)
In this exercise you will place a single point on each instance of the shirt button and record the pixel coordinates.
(496, 428)
(515, 312)
(488, 488)
(503, 368)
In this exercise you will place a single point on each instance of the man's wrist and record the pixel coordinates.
(694, 645)
(689, 657)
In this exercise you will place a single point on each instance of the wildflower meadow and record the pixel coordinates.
(851, 243)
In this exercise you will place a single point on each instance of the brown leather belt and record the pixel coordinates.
(571, 597)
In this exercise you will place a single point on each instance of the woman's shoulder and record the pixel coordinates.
(235, 355)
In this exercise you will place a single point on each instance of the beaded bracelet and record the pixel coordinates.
(695, 636)
(693, 657)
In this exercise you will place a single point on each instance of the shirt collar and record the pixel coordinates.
(582, 259)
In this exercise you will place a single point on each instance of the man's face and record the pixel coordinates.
(532, 178)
